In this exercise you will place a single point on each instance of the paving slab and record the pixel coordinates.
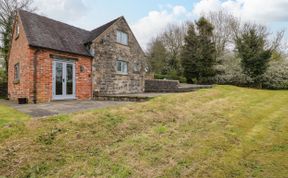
(59, 107)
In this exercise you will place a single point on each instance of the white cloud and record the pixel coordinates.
(253, 10)
(154, 23)
(63, 10)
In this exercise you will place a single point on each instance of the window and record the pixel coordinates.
(92, 51)
(17, 30)
(122, 67)
(136, 67)
(17, 72)
(122, 37)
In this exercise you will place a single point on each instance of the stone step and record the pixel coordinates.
(122, 98)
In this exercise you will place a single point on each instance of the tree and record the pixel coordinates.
(173, 39)
(226, 26)
(199, 54)
(164, 51)
(7, 14)
(157, 56)
(252, 47)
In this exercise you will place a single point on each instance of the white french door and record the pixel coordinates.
(63, 80)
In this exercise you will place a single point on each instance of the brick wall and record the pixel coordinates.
(45, 72)
(21, 53)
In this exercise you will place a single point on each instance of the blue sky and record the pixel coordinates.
(148, 18)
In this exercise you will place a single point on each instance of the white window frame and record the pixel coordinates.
(122, 37)
(123, 66)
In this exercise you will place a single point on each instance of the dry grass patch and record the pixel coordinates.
(221, 132)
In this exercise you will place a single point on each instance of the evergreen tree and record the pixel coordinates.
(250, 46)
(199, 54)
(157, 56)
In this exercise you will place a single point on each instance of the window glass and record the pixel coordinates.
(137, 67)
(17, 30)
(92, 51)
(122, 37)
(122, 67)
(17, 72)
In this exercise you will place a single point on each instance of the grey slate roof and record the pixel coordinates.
(98, 31)
(51, 34)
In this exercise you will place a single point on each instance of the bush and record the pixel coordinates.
(276, 77)
(171, 76)
(3, 76)
(229, 71)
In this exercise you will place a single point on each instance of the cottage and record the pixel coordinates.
(50, 60)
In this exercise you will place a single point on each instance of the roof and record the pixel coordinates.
(98, 31)
(51, 34)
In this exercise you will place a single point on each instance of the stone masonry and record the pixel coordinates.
(106, 80)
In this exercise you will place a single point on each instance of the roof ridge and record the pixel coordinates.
(114, 20)
(99, 30)
(42, 16)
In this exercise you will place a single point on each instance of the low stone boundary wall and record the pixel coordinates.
(161, 85)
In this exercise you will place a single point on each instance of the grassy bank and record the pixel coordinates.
(221, 132)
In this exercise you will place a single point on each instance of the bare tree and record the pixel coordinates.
(173, 40)
(8, 10)
(226, 27)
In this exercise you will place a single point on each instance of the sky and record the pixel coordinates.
(147, 18)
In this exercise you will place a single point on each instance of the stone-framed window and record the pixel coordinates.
(17, 72)
(122, 37)
(136, 67)
(122, 67)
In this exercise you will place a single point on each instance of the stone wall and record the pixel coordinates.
(106, 80)
(161, 85)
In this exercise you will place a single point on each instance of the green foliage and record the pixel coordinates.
(254, 56)
(157, 56)
(276, 76)
(3, 76)
(229, 71)
(172, 75)
(199, 54)
(6, 39)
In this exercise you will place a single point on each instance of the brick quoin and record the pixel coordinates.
(22, 53)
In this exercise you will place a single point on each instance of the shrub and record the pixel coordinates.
(171, 76)
(276, 77)
(229, 71)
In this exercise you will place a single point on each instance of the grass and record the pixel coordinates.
(221, 132)
(11, 122)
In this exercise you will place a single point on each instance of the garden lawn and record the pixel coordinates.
(221, 132)
(11, 121)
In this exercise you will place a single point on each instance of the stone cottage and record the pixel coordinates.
(50, 60)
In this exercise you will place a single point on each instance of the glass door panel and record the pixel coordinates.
(63, 80)
(59, 78)
(69, 79)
